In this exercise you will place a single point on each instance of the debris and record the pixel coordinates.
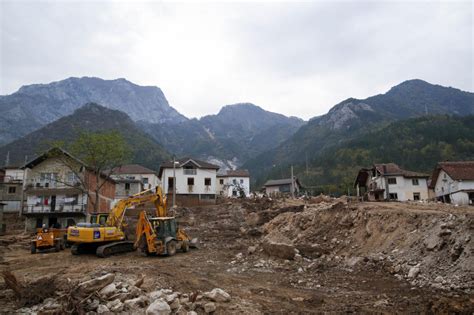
(158, 307)
(218, 295)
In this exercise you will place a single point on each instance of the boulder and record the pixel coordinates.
(102, 309)
(139, 302)
(108, 290)
(432, 241)
(277, 245)
(155, 294)
(159, 307)
(175, 304)
(414, 271)
(97, 283)
(115, 306)
(209, 307)
(218, 295)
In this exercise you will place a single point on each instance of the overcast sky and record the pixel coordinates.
(295, 58)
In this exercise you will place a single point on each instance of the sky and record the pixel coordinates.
(295, 58)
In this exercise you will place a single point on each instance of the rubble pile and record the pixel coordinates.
(423, 247)
(115, 293)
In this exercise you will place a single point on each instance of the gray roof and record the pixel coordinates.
(279, 182)
(182, 162)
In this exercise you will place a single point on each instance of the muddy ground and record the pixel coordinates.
(349, 258)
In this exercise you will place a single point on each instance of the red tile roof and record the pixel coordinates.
(394, 169)
(460, 170)
(235, 173)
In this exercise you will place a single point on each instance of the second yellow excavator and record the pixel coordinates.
(109, 238)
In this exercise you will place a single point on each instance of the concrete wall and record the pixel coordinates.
(226, 189)
(152, 179)
(182, 181)
(404, 187)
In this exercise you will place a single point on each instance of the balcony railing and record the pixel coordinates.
(31, 209)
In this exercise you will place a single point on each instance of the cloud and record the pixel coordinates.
(293, 58)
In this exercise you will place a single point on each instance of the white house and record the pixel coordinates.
(11, 185)
(196, 181)
(390, 182)
(231, 183)
(453, 182)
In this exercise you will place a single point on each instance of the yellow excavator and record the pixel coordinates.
(104, 232)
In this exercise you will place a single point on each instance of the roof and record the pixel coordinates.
(391, 169)
(459, 170)
(183, 161)
(127, 180)
(279, 182)
(133, 169)
(235, 173)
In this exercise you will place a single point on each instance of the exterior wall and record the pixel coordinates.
(272, 189)
(182, 181)
(404, 187)
(121, 192)
(456, 190)
(226, 189)
(106, 196)
(12, 201)
(14, 174)
(33, 222)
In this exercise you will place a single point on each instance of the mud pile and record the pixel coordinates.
(426, 247)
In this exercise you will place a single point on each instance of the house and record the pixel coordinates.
(133, 178)
(11, 188)
(390, 182)
(60, 190)
(196, 181)
(233, 183)
(453, 182)
(282, 186)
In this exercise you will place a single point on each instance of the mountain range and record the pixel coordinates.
(239, 135)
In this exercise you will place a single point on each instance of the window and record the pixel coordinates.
(392, 181)
(190, 181)
(11, 189)
(221, 181)
(234, 181)
(71, 178)
(170, 182)
(241, 181)
(145, 180)
(414, 181)
(207, 181)
(416, 196)
(393, 196)
(127, 186)
(234, 192)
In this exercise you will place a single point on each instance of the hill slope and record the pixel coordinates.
(90, 117)
(237, 133)
(34, 106)
(353, 118)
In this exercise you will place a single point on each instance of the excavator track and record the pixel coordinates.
(114, 248)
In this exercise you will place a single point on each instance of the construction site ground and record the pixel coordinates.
(347, 258)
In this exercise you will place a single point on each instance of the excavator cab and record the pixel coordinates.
(98, 218)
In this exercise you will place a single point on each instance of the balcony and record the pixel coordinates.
(12, 179)
(65, 208)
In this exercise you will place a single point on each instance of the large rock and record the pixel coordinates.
(277, 245)
(115, 306)
(102, 309)
(108, 290)
(97, 283)
(414, 271)
(136, 303)
(209, 307)
(159, 307)
(218, 295)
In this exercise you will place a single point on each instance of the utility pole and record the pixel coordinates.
(23, 187)
(292, 183)
(7, 159)
(174, 181)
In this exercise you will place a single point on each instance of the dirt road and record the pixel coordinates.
(257, 282)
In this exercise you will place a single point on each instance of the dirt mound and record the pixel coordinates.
(425, 247)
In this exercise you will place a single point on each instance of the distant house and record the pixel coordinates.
(282, 186)
(231, 183)
(54, 194)
(453, 182)
(196, 181)
(390, 182)
(11, 185)
(133, 178)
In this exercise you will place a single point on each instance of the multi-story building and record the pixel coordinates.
(453, 182)
(196, 181)
(133, 178)
(390, 182)
(233, 183)
(11, 189)
(60, 190)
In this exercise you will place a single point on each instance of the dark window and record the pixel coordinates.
(207, 181)
(11, 189)
(190, 181)
(393, 196)
(392, 181)
(234, 192)
(241, 181)
(416, 196)
(170, 182)
(414, 181)
(127, 186)
(145, 180)
(221, 181)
